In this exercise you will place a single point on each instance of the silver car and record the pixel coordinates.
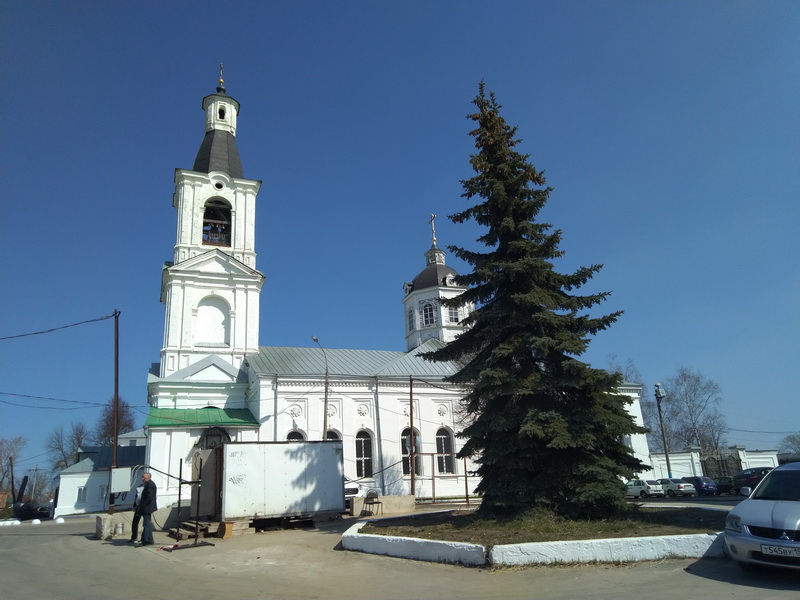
(765, 528)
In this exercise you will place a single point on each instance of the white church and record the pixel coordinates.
(216, 384)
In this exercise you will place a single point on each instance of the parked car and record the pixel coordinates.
(705, 486)
(354, 488)
(677, 487)
(763, 530)
(724, 485)
(749, 478)
(644, 488)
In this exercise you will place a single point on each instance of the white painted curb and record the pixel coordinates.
(404, 547)
(615, 550)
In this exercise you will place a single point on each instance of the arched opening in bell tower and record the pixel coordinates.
(217, 223)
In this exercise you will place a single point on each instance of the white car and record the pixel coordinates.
(644, 488)
(765, 528)
(678, 487)
(356, 489)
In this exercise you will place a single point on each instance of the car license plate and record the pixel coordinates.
(780, 551)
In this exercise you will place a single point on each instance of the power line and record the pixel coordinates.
(49, 399)
(44, 407)
(772, 432)
(11, 337)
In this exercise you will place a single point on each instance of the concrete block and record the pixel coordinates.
(104, 527)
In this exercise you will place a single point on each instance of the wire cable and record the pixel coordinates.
(11, 337)
(49, 399)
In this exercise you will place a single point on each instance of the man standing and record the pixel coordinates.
(137, 516)
(147, 506)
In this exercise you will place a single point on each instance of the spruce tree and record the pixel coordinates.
(545, 428)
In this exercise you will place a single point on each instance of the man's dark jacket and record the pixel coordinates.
(147, 505)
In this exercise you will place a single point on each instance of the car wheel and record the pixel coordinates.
(671, 493)
(642, 494)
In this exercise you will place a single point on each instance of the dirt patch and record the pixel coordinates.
(465, 526)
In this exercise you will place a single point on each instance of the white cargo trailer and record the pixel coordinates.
(264, 480)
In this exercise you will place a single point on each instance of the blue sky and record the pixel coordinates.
(669, 132)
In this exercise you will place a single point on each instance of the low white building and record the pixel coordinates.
(84, 487)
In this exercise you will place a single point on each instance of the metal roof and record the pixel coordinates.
(310, 362)
(218, 152)
(100, 457)
(432, 276)
(200, 417)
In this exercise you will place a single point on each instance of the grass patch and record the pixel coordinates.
(466, 526)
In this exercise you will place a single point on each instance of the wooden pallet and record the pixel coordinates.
(205, 529)
(188, 528)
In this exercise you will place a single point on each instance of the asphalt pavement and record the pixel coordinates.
(65, 561)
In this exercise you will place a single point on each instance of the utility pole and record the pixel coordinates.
(411, 436)
(660, 395)
(111, 495)
(33, 487)
(325, 403)
(11, 468)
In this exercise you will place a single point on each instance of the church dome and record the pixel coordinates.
(435, 275)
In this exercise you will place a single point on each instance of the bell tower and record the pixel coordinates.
(211, 288)
(425, 316)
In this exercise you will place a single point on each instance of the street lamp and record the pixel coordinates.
(659, 397)
(325, 405)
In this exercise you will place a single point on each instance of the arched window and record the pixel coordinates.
(428, 314)
(212, 324)
(221, 113)
(363, 454)
(217, 223)
(332, 435)
(445, 458)
(213, 437)
(411, 319)
(295, 436)
(405, 451)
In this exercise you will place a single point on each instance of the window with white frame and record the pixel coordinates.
(428, 314)
(295, 436)
(81, 494)
(363, 454)
(411, 319)
(453, 314)
(445, 459)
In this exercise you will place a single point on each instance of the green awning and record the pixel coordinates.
(200, 417)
